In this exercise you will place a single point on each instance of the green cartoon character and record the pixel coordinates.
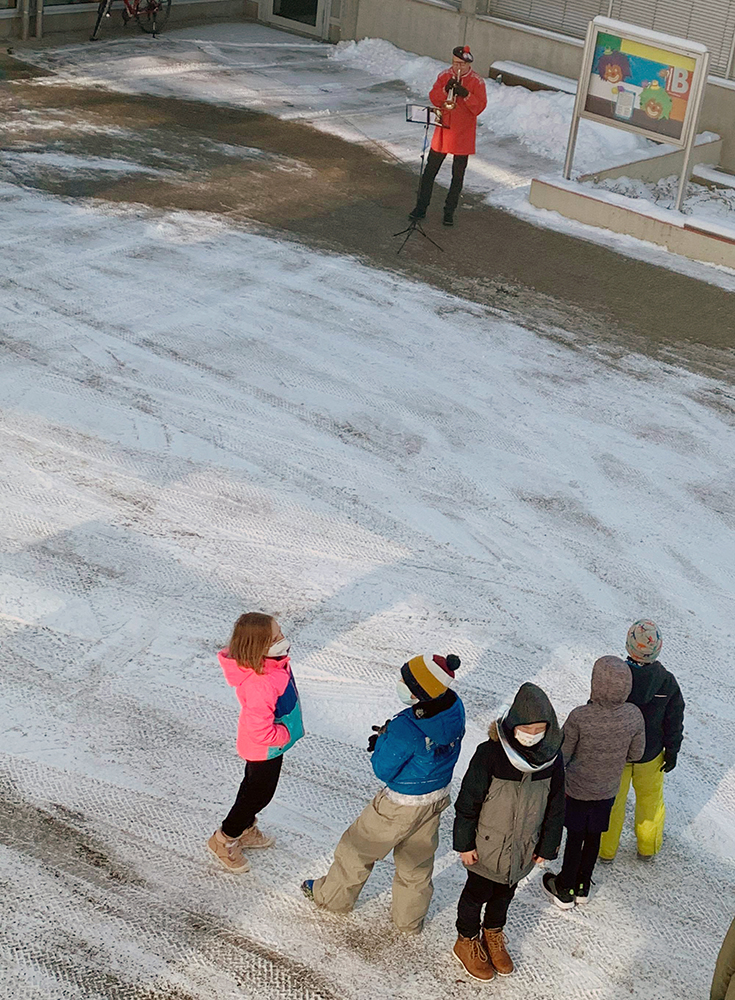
(656, 103)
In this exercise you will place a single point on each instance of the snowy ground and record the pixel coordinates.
(198, 420)
(359, 92)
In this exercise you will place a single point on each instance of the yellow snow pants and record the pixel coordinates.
(650, 811)
(723, 984)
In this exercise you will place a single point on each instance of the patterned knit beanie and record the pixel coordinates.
(644, 641)
(428, 676)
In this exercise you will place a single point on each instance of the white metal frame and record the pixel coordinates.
(692, 50)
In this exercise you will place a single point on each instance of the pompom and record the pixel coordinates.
(453, 662)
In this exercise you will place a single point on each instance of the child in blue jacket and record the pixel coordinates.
(414, 754)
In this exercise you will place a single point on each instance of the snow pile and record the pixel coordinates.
(705, 203)
(539, 119)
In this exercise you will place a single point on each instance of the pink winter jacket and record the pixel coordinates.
(265, 700)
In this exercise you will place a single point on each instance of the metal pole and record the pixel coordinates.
(581, 90)
(610, 8)
(25, 14)
(692, 137)
(39, 18)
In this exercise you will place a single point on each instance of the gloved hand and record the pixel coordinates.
(377, 731)
(669, 761)
(449, 85)
(460, 90)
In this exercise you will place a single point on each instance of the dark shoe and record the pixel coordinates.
(582, 895)
(564, 898)
(448, 218)
(645, 857)
(417, 213)
(470, 953)
(606, 861)
(307, 887)
(496, 950)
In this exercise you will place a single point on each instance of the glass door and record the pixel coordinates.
(301, 15)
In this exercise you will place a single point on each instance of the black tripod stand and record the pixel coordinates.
(428, 116)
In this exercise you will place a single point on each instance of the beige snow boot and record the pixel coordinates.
(228, 851)
(253, 838)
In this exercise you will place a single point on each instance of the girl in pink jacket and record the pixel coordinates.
(257, 665)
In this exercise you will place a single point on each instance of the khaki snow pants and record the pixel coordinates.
(723, 983)
(412, 833)
(650, 811)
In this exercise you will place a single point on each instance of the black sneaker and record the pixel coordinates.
(417, 213)
(564, 898)
(448, 218)
(582, 895)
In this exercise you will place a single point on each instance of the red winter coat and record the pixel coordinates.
(459, 137)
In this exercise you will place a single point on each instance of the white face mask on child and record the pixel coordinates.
(528, 739)
(404, 694)
(279, 648)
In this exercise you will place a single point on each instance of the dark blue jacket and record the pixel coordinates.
(417, 752)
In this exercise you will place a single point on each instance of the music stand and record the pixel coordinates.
(421, 114)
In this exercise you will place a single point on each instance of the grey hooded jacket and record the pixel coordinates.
(601, 736)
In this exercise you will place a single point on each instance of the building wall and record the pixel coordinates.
(70, 21)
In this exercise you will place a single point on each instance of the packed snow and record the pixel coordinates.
(711, 204)
(199, 420)
(359, 91)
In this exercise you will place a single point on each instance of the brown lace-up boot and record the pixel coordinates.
(495, 946)
(471, 954)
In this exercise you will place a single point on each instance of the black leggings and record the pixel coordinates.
(580, 857)
(257, 789)
(479, 892)
(434, 161)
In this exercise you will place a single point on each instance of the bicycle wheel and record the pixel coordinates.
(102, 11)
(152, 15)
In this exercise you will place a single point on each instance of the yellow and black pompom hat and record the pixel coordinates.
(429, 675)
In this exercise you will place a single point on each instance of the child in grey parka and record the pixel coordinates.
(599, 739)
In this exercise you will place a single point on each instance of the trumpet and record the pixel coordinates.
(451, 100)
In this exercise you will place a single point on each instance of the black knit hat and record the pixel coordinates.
(463, 52)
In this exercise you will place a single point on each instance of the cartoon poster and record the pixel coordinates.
(640, 85)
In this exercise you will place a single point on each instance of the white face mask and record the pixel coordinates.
(528, 739)
(404, 694)
(280, 648)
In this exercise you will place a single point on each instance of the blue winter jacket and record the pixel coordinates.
(415, 756)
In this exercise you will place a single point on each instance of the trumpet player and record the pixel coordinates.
(460, 94)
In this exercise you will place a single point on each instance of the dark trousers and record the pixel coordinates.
(257, 789)
(479, 892)
(580, 856)
(434, 161)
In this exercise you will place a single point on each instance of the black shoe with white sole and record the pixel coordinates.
(564, 898)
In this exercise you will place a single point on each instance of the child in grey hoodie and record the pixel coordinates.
(599, 739)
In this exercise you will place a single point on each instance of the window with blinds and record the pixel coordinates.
(711, 22)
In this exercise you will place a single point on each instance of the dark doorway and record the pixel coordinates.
(303, 11)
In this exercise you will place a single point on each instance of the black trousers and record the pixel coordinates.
(479, 892)
(434, 161)
(580, 857)
(257, 789)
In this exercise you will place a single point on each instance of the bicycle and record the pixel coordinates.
(151, 15)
